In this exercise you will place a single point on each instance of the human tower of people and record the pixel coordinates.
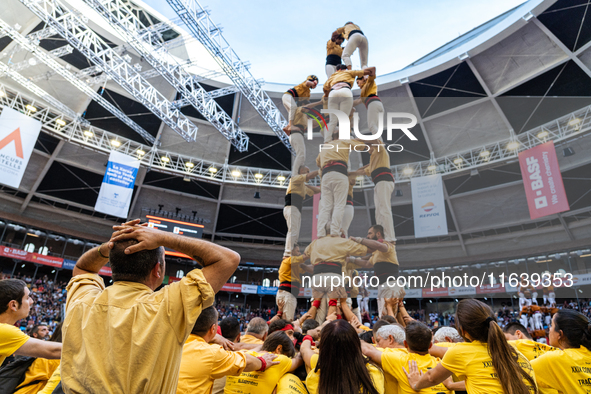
(137, 336)
(334, 254)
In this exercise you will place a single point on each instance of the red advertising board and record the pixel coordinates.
(13, 253)
(232, 287)
(436, 292)
(45, 260)
(544, 189)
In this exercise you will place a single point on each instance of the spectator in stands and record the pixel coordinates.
(127, 337)
(328, 371)
(203, 362)
(15, 304)
(256, 331)
(40, 331)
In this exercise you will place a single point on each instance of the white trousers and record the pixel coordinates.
(293, 218)
(341, 99)
(290, 105)
(334, 188)
(291, 302)
(299, 146)
(356, 41)
(330, 69)
(382, 195)
(375, 111)
(347, 219)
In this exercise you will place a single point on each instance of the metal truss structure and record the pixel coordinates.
(75, 30)
(197, 20)
(4, 69)
(149, 45)
(569, 127)
(48, 60)
(58, 52)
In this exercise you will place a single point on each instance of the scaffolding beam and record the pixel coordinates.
(197, 20)
(147, 45)
(48, 60)
(75, 30)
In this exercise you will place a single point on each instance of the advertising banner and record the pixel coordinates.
(117, 187)
(249, 289)
(428, 206)
(232, 287)
(414, 293)
(542, 180)
(461, 291)
(45, 260)
(18, 135)
(267, 290)
(436, 292)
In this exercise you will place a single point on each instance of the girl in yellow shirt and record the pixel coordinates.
(567, 370)
(344, 368)
(487, 363)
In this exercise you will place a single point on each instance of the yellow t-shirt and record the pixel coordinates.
(314, 377)
(445, 344)
(290, 270)
(52, 383)
(247, 338)
(41, 370)
(291, 384)
(302, 90)
(389, 256)
(11, 339)
(127, 338)
(471, 362)
(258, 382)
(202, 363)
(568, 371)
(393, 362)
(531, 349)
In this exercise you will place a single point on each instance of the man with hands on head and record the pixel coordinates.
(129, 337)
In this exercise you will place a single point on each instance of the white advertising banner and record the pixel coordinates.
(249, 289)
(18, 134)
(117, 187)
(428, 206)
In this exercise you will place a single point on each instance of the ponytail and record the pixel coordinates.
(477, 319)
(575, 327)
(506, 362)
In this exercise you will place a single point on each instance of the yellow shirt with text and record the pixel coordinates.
(291, 384)
(531, 349)
(471, 362)
(568, 371)
(258, 382)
